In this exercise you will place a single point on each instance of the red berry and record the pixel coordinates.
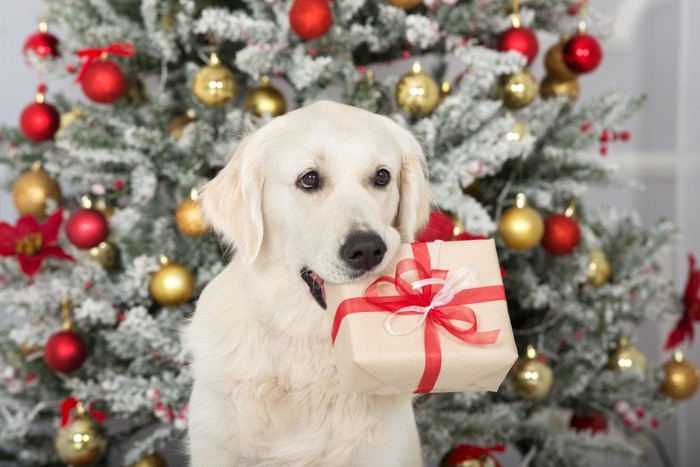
(640, 412)
(603, 150)
(604, 136)
(118, 185)
(654, 422)
(586, 127)
(625, 135)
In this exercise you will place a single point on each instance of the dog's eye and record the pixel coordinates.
(382, 177)
(309, 181)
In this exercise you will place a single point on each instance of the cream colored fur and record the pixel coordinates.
(265, 387)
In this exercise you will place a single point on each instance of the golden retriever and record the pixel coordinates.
(324, 193)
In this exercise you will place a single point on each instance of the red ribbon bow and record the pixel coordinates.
(442, 315)
(465, 452)
(70, 403)
(124, 49)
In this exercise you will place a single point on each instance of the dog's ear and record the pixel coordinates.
(232, 201)
(414, 189)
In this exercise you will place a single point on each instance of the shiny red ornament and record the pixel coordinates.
(87, 228)
(39, 121)
(595, 422)
(561, 235)
(103, 81)
(41, 44)
(310, 19)
(582, 53)
(521, 40)
(65, 351)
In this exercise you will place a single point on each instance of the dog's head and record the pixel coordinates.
(329, 189)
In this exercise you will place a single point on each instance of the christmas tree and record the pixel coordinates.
(112, 249)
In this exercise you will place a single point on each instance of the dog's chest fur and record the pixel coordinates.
(271, 370)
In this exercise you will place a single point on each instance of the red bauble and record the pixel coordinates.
(595, 422)
(42, 44)
(439, 227)
(65, 351)
(521, 40)
(561, 235)
(582, 53)
(87, 228)
(103, 82)
(39, 121)
(310, 19)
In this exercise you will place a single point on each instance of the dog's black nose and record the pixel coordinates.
(363, 250)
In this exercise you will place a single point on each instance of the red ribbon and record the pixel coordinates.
(465, 452)
(443, 316)
(70, 403)
(691, 304)
(88, 56)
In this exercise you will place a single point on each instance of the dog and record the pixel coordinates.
(324, 193)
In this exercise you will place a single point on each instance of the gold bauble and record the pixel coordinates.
(189, 217)
(81, 442)
(554, 63)
(627, 356)
(173, 284)
(405, 4)
(265, 100)
(459, 227)
(681, 379)
(521, 227)
(106, 254)
(102, 205)
(531, 378)
(178, 124)
(599, 269)
(517, 90)
(214, 85)
(417, 93)
(517, 132)
(552, 87)
(151, 460)
(31, 191)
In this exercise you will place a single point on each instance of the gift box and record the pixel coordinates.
(435, 321)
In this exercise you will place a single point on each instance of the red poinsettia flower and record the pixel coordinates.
(31, 242)
(691, 304)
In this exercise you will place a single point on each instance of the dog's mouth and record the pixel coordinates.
(316, 287)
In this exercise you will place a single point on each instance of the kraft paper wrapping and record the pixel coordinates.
(372, 361)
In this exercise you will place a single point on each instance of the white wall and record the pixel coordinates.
(655, 52)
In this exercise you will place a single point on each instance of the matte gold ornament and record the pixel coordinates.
(106, 254)
(417, 93)
(189, 216)
(517, 90)
(599, 269)
(82, 441)
(521, 227)
(517, 132)
(173, 284)
(681, 379)
(177, 125)
(33, 189)
(627, 356)
(265, 100)
(405, 4)
(552, 87)
(151, 460)
(554, 63)
(531, 378)
(214, 85)
(102, 205)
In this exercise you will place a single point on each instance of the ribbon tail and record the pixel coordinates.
(433, 359)
(683, 329)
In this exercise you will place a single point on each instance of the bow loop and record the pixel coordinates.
(123, 49)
